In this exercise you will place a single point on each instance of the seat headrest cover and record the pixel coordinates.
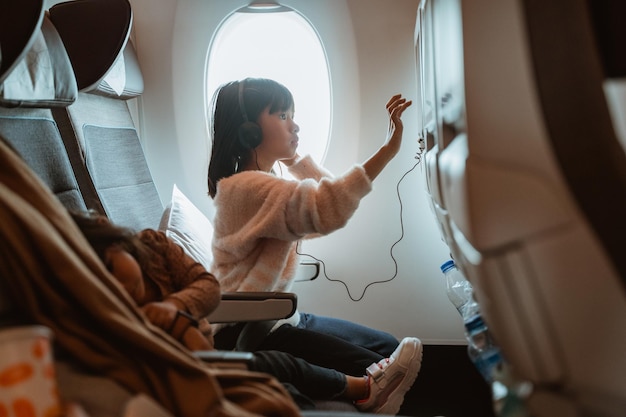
(43, 76)
(96, 34)
(19, 22)
(124, 79)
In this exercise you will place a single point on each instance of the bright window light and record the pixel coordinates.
(284, 47)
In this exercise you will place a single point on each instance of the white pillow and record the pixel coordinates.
(186, 225)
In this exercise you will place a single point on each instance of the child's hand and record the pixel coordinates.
(290, 161)
(396, 106)
(161, 314)
(377, 162)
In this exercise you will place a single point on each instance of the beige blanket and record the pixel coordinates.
(59, 282)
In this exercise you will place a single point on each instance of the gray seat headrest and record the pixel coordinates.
(36, 71)
(19, 20)
(96, 35)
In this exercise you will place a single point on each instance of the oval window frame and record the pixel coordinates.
(313, 99)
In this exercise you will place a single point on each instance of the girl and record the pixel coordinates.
(260, 217)
(172, 289)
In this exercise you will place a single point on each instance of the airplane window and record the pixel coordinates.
(285, 47)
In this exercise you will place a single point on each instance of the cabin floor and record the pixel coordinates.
(448, 385)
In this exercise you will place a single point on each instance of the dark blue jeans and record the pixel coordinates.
(315, 382)
(374, 340)
(332, 343)
(324, 341)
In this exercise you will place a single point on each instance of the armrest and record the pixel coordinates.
(307, 271)
(229, 357)
(254, 306)
(225, 359)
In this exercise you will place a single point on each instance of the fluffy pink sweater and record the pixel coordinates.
(260, 217)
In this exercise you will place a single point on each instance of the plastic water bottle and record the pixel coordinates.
(488, 360)
(459, 290)
(481, 348)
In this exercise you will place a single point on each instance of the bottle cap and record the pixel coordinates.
(447, 265)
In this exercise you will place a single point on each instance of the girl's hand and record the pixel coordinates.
(377, 162)
(395, 107)
(161, 314)
(290, 161)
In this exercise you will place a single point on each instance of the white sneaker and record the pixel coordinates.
(392, 377)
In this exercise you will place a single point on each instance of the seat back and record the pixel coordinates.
(19, 22)
(29, 89)
(528, 182)
(29, 47)
(98, 128)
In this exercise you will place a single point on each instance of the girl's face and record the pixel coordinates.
(126, 270)
(280, 136)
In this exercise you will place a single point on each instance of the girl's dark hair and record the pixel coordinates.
(228, 154)
(102, 234)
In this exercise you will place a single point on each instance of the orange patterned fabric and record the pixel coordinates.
(48, 265)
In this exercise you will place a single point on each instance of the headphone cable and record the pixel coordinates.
(418, 156)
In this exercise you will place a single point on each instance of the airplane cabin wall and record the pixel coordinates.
(369, 44)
